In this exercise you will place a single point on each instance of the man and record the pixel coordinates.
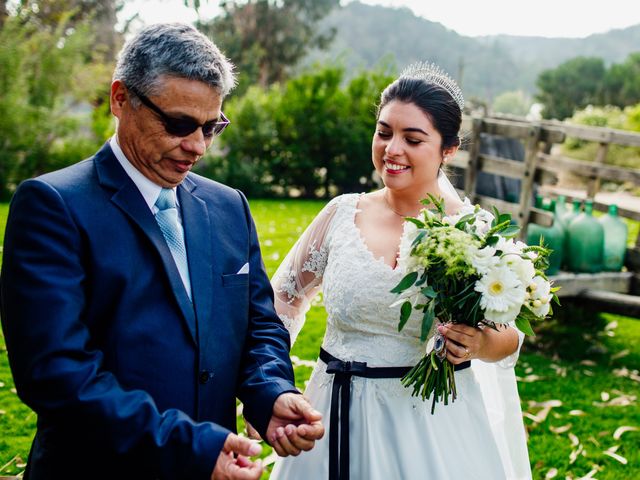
(135, 303)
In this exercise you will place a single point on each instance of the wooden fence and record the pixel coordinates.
(617, 292)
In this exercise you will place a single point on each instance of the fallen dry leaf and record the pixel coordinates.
(530, 378)
(588, 363)
(574, 440)
(620, 430)
(611, 452)
(573, 456)
(622, 400)
(611, 325)
(296, 362)
(562, 429)
(576, 413)
(590, 475)
(605, 396)
(546, 403)
(551, 474)
(620, 354)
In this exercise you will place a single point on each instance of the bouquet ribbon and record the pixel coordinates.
(340, 402)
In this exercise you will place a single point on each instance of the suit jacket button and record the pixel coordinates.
(204, 376)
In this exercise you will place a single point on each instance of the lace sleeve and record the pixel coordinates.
(299, 277)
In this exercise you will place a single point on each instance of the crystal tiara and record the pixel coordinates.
(432, 73)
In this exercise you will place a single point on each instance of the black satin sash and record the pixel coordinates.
(340, 401)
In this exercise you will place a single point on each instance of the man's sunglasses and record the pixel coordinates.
(181, 127)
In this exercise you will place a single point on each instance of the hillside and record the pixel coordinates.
(367, 36)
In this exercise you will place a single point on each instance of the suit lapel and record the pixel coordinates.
(198, 239)
(128, 198)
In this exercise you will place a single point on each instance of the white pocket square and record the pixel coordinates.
(244, 269)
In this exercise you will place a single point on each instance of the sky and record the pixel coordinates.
(570, 18)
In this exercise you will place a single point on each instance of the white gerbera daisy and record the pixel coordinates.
(522, 267)
(507, 246)
(501, 290)
(507, 316)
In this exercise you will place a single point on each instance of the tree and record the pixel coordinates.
(513, 103)
(622, 82)
(311, 136)
(101, 13)
(266, 37)
(45, 71)
(571, 86)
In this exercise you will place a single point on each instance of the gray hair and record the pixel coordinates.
(175, 50)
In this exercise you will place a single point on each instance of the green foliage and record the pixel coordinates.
(250, 145)
(572, 85)
(514, 103)
(622, 83)
(633, 118)
(308, 137)
(609, 117)
(581, 82)
(264, 38)
(42, 73)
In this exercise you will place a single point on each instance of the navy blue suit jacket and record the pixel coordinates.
(129, 378)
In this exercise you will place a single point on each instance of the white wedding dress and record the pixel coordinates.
(392, 434)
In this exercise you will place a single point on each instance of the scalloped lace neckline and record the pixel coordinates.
(363, 243)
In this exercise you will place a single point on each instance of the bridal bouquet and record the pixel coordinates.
(468, 269)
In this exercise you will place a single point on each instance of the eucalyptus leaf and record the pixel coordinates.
(466, 219)
(422, 280)
(504, 217)
(418, 238)
(491, 241)
(428, 292)
(524, 326)
(510, 231)
(427, 320)
(405, 312)
(418, 223)
(408, 280)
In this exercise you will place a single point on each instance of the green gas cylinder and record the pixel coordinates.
(586, 242)
(551, 237)
(561, 209)
(615, 240)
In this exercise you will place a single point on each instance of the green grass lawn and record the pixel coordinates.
(580, 380)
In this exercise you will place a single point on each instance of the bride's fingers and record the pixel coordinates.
(457, 353)
(457, 332)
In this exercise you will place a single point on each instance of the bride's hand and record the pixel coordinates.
(463, 342)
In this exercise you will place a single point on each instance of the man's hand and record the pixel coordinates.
(233, 462)
(294, 426)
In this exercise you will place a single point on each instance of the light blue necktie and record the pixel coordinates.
(167, 218)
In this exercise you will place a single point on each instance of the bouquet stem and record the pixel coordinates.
(432, 377)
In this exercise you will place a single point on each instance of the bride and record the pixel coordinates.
(376, 429)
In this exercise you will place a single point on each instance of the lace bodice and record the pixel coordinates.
(361, 325)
